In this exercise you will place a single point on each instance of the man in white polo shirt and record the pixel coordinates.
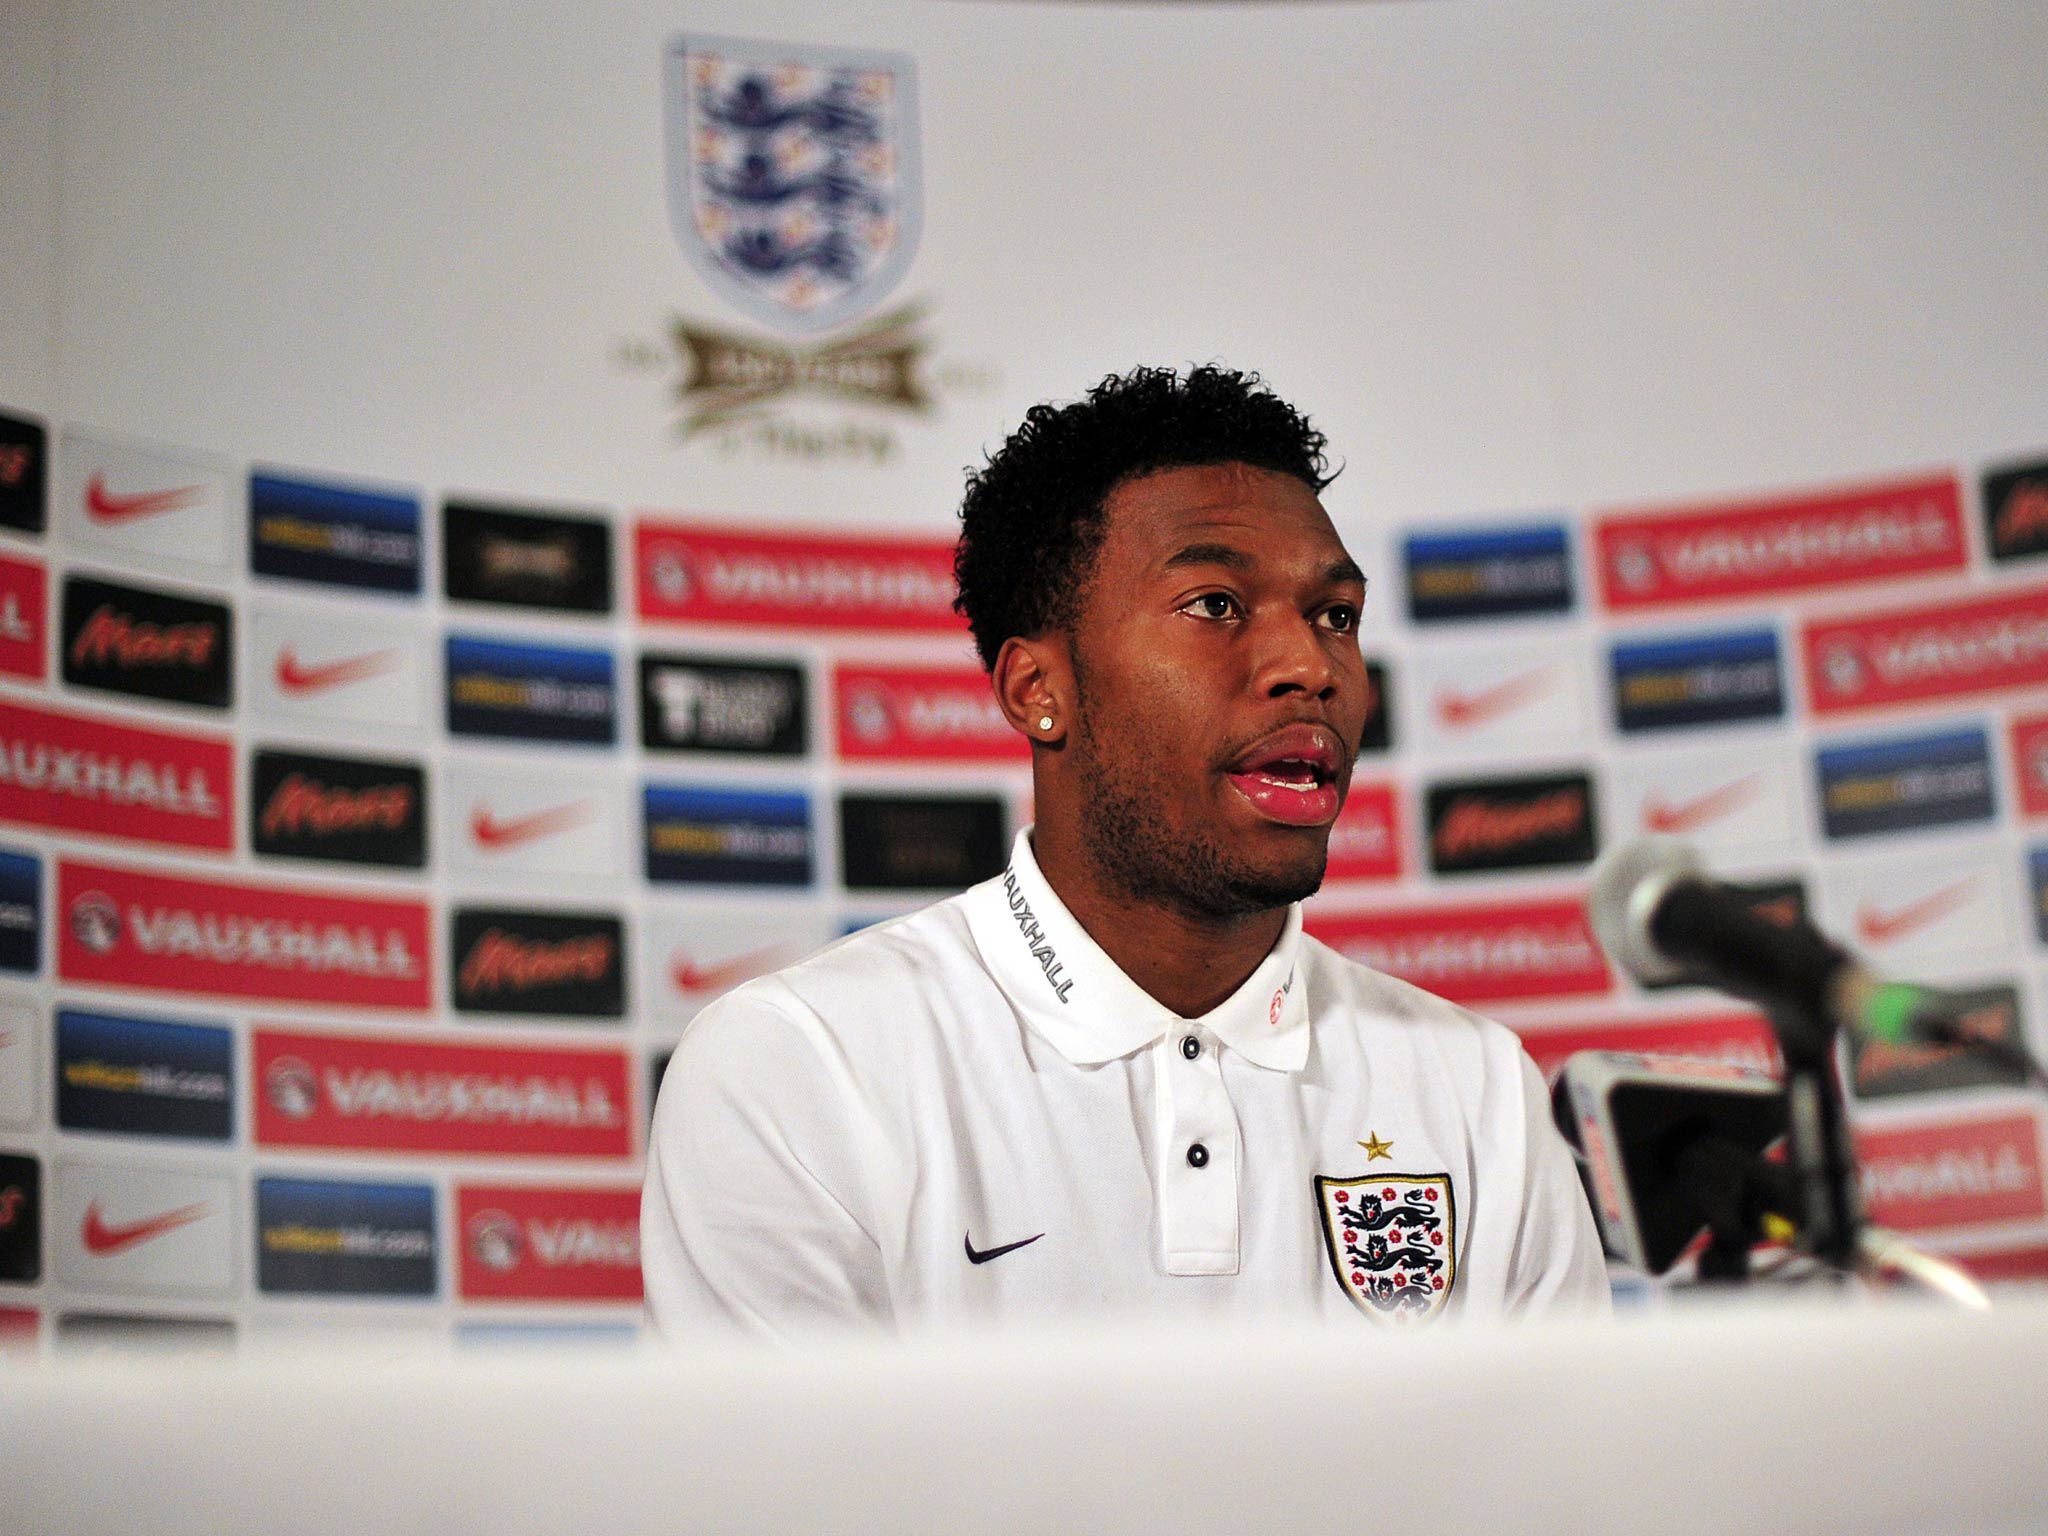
(1118, 1079)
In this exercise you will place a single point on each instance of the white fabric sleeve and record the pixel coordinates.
(756, 1212)
(1558, 1267)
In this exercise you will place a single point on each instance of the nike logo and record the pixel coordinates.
(490, 832)
(103, 1237)
(1464, 710)
(294, 676)
(1879, 927)
(692, 977)
(103, 506)
(983, 1255)
(1661, 815)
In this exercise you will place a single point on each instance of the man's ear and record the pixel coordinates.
(1034, 684)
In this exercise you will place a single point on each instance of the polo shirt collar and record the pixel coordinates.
(1074, 997)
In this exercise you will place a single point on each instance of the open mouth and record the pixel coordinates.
(1291, 776)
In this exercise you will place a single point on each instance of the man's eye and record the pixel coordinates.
(1212, 605)
(1343, 618)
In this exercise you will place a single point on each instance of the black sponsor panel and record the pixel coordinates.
(1521, 823)
(719, 704)
(511, 961)
(342, 810)
(24, 473)
(1378, 735)
(147, 643)
(2016, 510)
(144, 1077)
(119, 1334)
(21, 1218)
(21, 912)
(920, 842)
(494, 554)
(1903, 783)
(1986, 1017)
(1775, 901)
(657, 1069)
(322, 1237)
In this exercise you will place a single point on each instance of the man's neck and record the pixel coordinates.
(1188, 963)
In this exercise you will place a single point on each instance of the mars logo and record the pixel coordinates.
(154, 645)
(1511, 823)
(539, 963)
(2016, 510)
(346, 810)
(292, 1089)
(24, 446)
(96, 922)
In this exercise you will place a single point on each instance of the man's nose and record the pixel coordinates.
(1297, 660)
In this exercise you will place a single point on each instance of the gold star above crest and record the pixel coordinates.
(1376, 1148)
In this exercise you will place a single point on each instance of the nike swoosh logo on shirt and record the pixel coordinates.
(1661, 815)
(1880, 927)
(493, 833)
(100, 1236)
(983, 1255)
(103, 506)
(294, 676)
(1469, 709)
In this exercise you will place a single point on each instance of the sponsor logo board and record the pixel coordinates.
(144, 1077)
(20, 1027)
(1713, 679)
(692, 955)
(341, 810)
(24, 472)
(1953, 1174)
(920, 842)
(147, 643)
(21, 1218)
(377, 1094)
(21, 912)
(530, 692)
(1488, 573)
(527, 559)
(698, 703)
(147, 1230)
(1902, 783)
(1742, 803)
(1800, 543)
(2030, 763)
(559, 963)
(1532, 822)
(728, 836)
(309, 668)
(1931, 912)
(338, 535)
(2016, 510)
(327, 1237)
(24, 619)
(1521, 699)
(1986, 1016)
(559, 1243)
(1365, 840)
(891, 713)
(1731, 1039)
(504, 821)
(1974, 645)
(1476, 951)
(99, 778)
(133, 928)
(703, 575)
(154, 505)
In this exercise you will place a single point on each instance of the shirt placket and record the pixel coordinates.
(1199, 1153)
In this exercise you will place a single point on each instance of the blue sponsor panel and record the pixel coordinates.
(1486, 573)
(530, 692)
(144, 1077)
(728, 836)
(326, 1237)
(1698, 680)
(21, 912)
(1901, 783)
(338, 535)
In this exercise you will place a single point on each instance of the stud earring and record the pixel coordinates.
(1045, 722)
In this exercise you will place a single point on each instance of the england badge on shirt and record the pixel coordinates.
(793, 175)
(1390, 1238)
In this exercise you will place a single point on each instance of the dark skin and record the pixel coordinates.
(1220, 618)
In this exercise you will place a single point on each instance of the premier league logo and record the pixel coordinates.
(793, 175)
(1390, 1241)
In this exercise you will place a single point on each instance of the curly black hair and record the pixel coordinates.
(1031, 521)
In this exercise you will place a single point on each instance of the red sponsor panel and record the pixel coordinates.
(19, 1327)
(78, 773)
(2007, 1265)
(1482, 952)
(1365, 842)
(1956, 1174)
(24, 620)
(707, 575)
(362, 1093)
(1731, 1039)
(556, 1244)
(1656, 559)
(214, 938)
(921, 714)
(1971, 645)
(2030, 762)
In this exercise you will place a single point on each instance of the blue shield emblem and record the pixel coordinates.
(793, 175)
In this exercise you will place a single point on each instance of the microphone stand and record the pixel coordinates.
(1821, 1159)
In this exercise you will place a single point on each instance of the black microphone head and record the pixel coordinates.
(1629, 882)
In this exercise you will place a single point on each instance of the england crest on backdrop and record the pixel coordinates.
(793, 175)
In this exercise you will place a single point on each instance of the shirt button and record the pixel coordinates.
(1198, 1156)
(1190, 1047)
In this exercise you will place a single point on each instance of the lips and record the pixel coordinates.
(1291, 776)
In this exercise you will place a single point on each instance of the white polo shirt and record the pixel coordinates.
(971, 1116)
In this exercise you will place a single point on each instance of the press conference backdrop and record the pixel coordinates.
(477, 494)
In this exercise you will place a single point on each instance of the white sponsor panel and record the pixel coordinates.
(1741, 804)
(305, 665)
(693, 954)
(18, 1031)
(136, 1230)
(1947, 912)
(498, 821)
(1523, 699)
(155, 505)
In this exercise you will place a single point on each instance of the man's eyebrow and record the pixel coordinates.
(1346, 569)
(1226, 555)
